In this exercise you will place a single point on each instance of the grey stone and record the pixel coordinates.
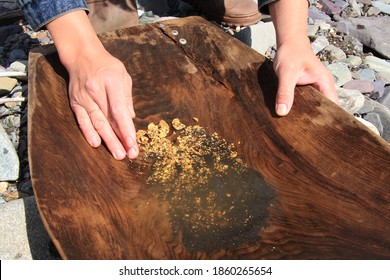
(23, 236)
(342, 27)
(319, 44)
(330, 7)
(381, 66)
(367, 108)
(370, 32)
(372, 11)
(375, 119)
(342, 4)
(355, 7)
(364, 86)
(384, 114)
(385, 99)
(384, 8)
(379, 90)
(340, 72)
(336, 53)
(353, 61)
(263, 36)
(9, 160)
(350, 100)
(315, 13)
(312, 29)
(368, 125)
(367, 74)
(366, 2)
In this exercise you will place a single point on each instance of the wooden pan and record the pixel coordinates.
(319, 186)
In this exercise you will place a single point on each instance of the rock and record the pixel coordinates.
(364, 86)
(6, 85)
(384, 8)
(329, 7)
(350, 100)
(381, 66)
(352, 61)
(341, 3)
(366, 74)
(367, 108)
(369, 31)
(340, 72)
(319, 44)
(336, 53)
(20, 66)
(355, 7)
(365, 2)
(375, 119)
(368, 125)
(9, 160)
(385, 99)
(372, 11)
(312, 29)
(379, 90)
(315, 13)
(22, 231)
(384, 114)
(3, 187)
(265, 31)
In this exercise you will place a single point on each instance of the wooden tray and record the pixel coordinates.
(320, 187)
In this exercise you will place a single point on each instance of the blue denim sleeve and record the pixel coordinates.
(40, 12)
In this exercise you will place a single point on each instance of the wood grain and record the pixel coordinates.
(321, 179)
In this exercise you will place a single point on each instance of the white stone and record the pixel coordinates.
(319, 44)
(383, 7)
(381, 66)
(368, 125)
(263, 36)
(350, 100)
(19, 66)
(9, 160)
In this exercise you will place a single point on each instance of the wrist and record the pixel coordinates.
(74, 37)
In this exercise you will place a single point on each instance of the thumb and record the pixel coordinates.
(285, 95)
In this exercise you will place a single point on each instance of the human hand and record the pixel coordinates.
(296, 64)
(100, 96)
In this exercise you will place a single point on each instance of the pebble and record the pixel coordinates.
(319, 44)
(7, 84)
(384, 8)
(375, 119)
(368, 125)
(364, 86)
(385, 98)
(9, 160)
(352, 61)
(336, 53)
(366, 74)
(384, 114)
(350, 100)
(341, 73)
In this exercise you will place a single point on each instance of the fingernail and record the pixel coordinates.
(133, 153)
(130, 142)
(94, 142)
(119, 154)
(281, 109)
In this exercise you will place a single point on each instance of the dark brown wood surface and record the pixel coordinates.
(321, 188)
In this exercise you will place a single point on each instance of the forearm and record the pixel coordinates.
(290, 20)
(73, 36)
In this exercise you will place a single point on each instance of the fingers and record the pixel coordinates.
(119, 115)
(327, 87)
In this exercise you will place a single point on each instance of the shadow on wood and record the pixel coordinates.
(319, 187)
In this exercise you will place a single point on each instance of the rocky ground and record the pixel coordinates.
(349, 36)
